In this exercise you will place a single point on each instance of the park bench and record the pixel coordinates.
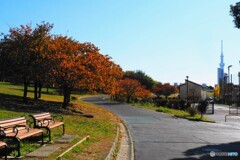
(3, 144)
(47, 121)
(17, 129)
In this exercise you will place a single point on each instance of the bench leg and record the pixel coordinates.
(42, 138)
(18, 145)
(6, 150)
(49, 134)
(63, 129)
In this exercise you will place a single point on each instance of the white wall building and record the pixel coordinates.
(195, 92)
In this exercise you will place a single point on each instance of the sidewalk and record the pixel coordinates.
(220, 111)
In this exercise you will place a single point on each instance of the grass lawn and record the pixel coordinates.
(101, 128)
(174, 112)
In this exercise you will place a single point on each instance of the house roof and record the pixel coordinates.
(192, 83)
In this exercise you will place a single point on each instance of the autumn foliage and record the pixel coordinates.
(130, 89)
(33, 55)
(164, 89)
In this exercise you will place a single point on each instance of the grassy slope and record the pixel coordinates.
(101, 128)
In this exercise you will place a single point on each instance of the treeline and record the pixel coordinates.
(34, 55)
(137, 86)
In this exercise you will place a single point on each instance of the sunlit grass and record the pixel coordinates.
(101, 128)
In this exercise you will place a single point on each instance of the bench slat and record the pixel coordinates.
(12, 120)
(2, 144)
(12, 124)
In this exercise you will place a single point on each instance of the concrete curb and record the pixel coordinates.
(132, 157)
(116, 141)
(114, 146)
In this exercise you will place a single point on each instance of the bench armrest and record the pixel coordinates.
(25, 126)
(14, 130)
(2, 134)
(48, 120)
(41, 122)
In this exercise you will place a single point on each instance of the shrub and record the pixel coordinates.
(202, 107)
(173, 103)
(192, 111)
(182, 105)
(160, 102)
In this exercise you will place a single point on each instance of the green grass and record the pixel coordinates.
(101, 128)
(146, 105)
(174, 112)
(183, 114)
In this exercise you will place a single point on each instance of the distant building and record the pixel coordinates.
(220, 72)
(204, 85)
(175, 84)
(192, 91)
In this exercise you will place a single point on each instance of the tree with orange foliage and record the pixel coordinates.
(158, 89)
(101, 73)
(165, 89)
(143, 94)
(67, 65)
(15, 55)
(79, 65)
(131, 89)
(41, 64)
(24, 55)
(35, 55)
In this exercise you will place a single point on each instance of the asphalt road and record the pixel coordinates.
(157, 136)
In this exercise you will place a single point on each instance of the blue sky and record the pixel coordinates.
(168, 40)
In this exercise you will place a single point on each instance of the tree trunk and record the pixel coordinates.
(25, 90)
(64, 105)
(40, 89)
(66, 96)
(35, 90)
(128, 99)
(69, 95)
(60, 90)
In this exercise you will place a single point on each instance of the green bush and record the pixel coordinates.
(192, 111)
(202, 107)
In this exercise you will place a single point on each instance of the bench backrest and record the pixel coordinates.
(40, 117)
(10, 123)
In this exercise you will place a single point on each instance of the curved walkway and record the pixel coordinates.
(158, 136)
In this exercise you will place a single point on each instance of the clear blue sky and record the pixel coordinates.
(167, 39)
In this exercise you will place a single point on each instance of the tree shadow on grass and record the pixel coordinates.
(32, 91)
(16, 103)
(203, 152)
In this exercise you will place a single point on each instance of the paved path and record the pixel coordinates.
(158, 136)
(221, 111)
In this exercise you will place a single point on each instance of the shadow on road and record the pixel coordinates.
(217, 151)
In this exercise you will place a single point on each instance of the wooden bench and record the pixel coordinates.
(47, 121)
(3, 144)
(17, 129)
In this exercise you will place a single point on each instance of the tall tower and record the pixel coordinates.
(221, 69)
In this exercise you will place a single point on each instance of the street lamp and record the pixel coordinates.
(187, 86)
(229, 73)
(238, 90)
(228, 87)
